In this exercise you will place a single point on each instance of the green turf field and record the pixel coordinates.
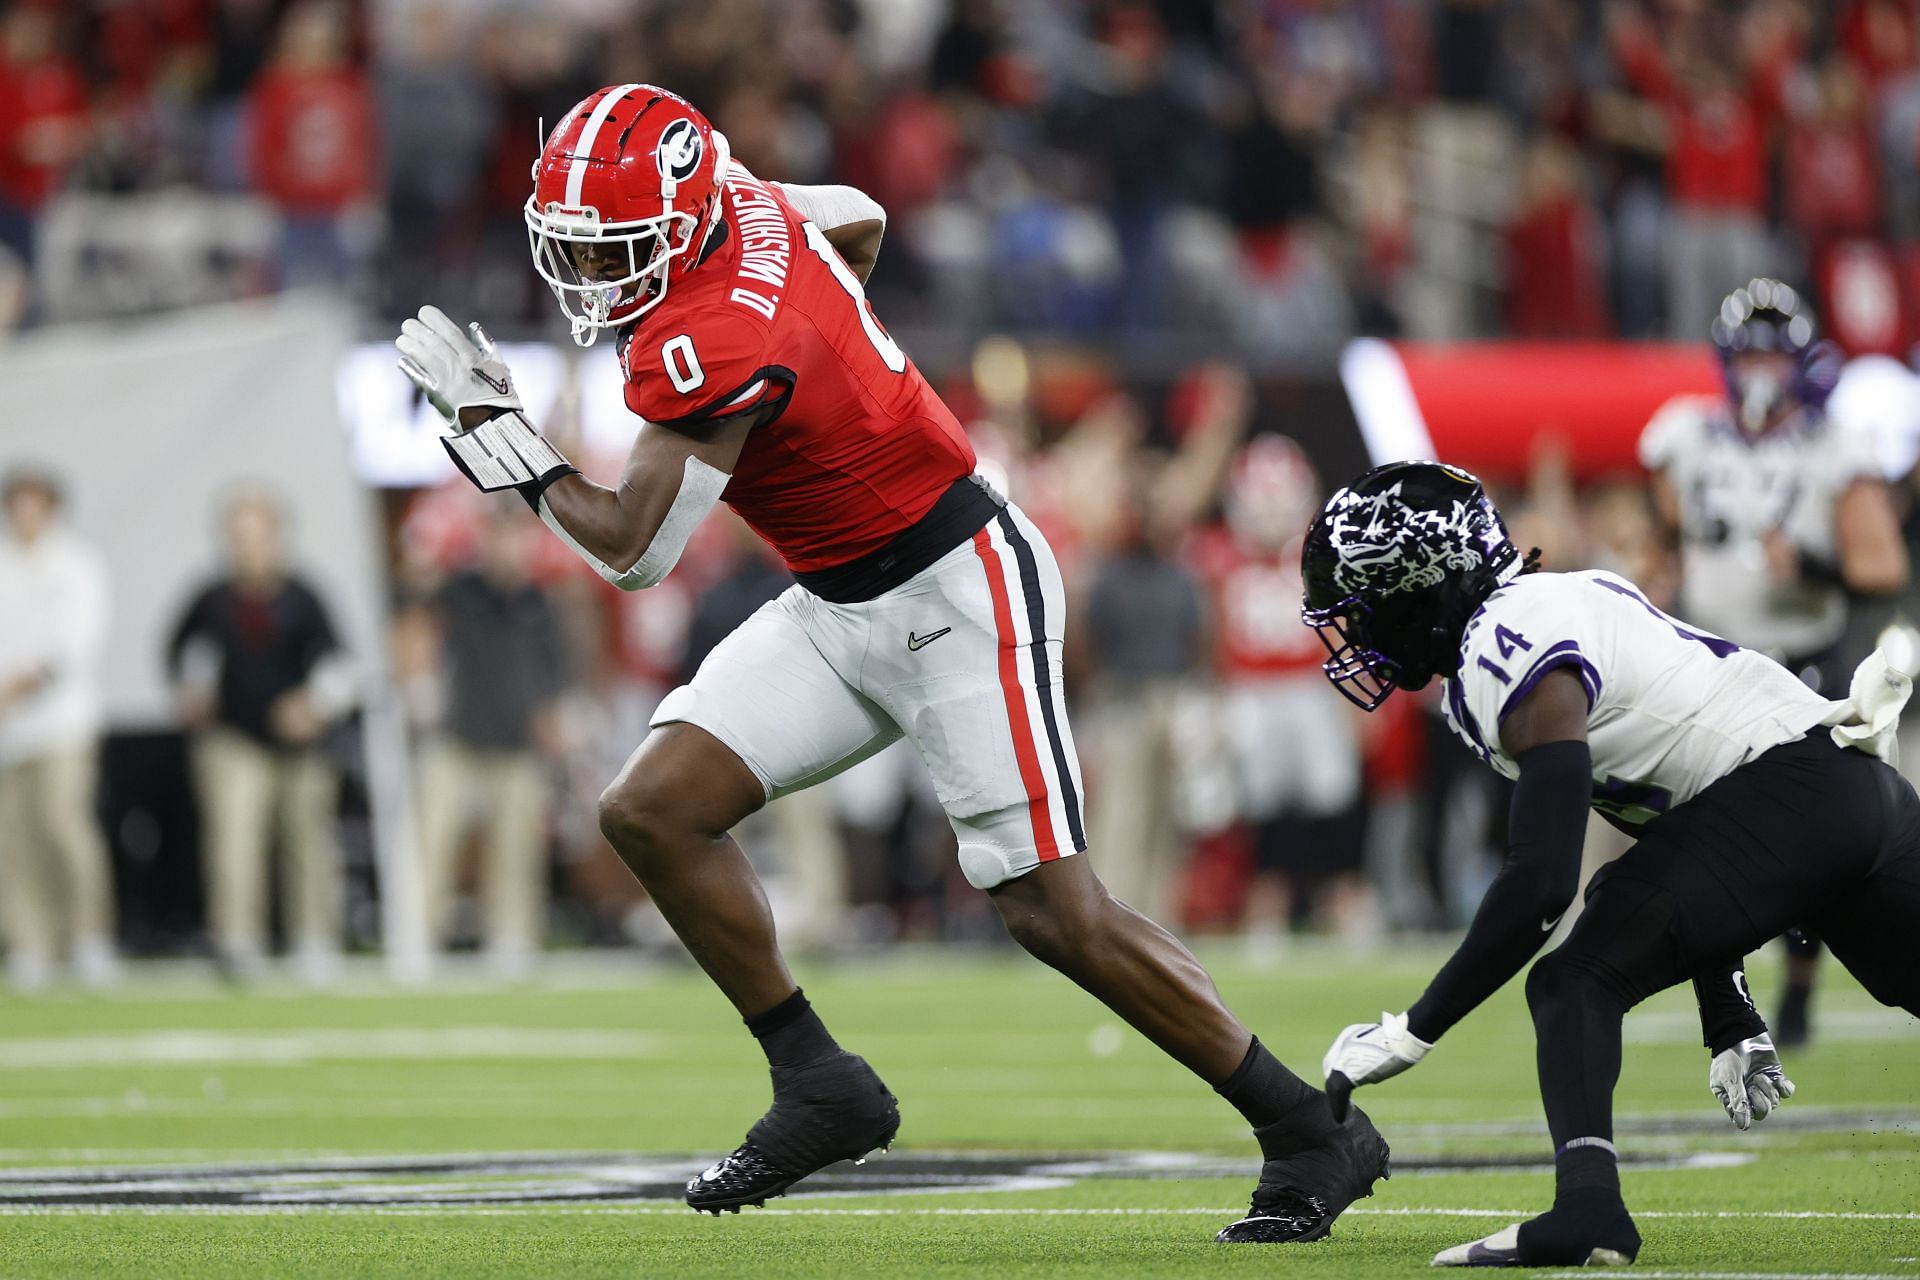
(464, 1131)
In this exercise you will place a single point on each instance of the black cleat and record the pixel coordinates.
(1585, 1229)
(825, 1112)
(1301, 1192)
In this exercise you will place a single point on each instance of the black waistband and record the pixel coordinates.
(962, 511)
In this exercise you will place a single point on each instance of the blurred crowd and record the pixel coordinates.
(1272, 175)
(1230, 789)
(1151, 198)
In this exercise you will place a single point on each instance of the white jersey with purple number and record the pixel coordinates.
(1672, 709)
(1735, 491)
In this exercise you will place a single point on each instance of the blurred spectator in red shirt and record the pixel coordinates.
(1880, 38)
(1716, 118)
(43, 127)
(1832, 188)
(43, 119)
(312, 143)
(1554, 287)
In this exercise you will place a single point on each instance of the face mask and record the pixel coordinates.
(1760, 395)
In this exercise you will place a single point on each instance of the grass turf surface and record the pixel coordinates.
(986, 1052)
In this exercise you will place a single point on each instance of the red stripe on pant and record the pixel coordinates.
(1023, 747)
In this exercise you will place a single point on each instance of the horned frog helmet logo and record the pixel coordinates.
(1386, 546)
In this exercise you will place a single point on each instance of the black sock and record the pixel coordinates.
(1266, 1093)
(1586, 1166)
(791, 1033)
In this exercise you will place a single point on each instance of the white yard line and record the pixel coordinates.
(1637, 1274)
(663, 1209)
(298, 1046)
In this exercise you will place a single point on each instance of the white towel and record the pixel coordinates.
(1869, 717)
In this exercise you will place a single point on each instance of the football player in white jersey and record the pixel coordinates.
(1756, 803)
(1782, 515)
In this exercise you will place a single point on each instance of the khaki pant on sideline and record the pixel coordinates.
(814, 856)
(57, 883)
(510, 788)
(245, 788)
(1132, 837)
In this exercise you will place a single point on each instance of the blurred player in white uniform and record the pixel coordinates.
(1781, 514)
(1755, 804)
(1292, 741)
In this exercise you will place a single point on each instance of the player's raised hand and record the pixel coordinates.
(1367, 1053)
(456, 369)
(1749, 1080)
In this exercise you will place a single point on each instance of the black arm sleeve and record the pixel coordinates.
(1727, 1015)
(1545, 829)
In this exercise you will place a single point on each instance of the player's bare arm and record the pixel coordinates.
(666, 476)
(858, 244)
(1664, 499)
(1873, 556)
(631, 534)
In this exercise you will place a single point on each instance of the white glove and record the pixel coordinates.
(1749, 1080)
(1367, 1053)
(456, 370)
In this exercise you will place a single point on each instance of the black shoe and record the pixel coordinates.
(1301, 1192)
(1591, 1230)
(825, 1112)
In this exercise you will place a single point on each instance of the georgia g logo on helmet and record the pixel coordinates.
(679, 152)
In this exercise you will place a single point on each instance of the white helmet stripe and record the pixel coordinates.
(578, 173)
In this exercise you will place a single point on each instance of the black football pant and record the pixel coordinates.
(1809, 833)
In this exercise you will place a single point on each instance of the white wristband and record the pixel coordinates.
(504, 452)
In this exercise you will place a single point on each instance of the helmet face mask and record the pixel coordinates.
(626, 192)
(1394, 566)
(645, 251)
(1761, 382)
(1363, 675)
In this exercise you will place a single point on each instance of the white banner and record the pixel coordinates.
(148, 427)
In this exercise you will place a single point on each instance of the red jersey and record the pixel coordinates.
(313, 142)
(859, 447)
(1257, 609)
(43, 112)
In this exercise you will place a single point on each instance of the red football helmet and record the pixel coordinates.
(632, 169)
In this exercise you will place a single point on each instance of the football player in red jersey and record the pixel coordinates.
(925, 606)
(1295, 750)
